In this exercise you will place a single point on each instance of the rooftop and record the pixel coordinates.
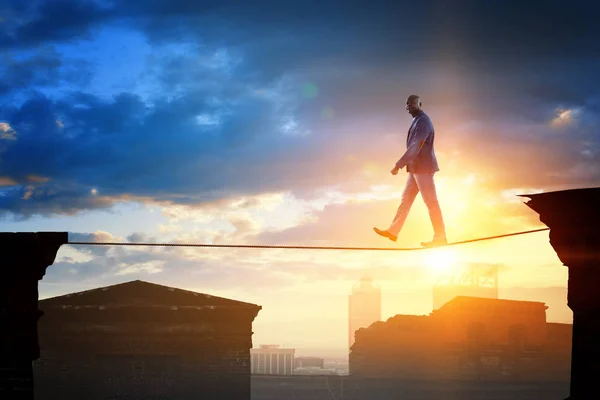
(475, 303)
(141, 293)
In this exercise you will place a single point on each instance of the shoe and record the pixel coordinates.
(385, 234)
(435, 243)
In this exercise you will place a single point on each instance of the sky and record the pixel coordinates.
(217, 122)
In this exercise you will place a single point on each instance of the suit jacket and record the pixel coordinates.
(420, 155)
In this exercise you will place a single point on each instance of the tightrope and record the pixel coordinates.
(259, 246)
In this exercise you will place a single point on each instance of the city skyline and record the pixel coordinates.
(336, 352)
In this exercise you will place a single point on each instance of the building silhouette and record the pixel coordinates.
(340, 387)
(364, 306)
(477, 280)
(271, 359)
(142, 340)
(467, 338)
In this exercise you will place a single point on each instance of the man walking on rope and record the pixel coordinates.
(421, 164)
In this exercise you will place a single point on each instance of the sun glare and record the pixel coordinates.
(440, 260)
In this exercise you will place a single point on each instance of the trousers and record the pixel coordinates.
(423, 183)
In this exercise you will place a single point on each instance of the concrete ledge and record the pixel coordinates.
(25, 257)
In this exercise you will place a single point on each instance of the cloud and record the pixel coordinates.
(246, 270)
(99, 147)
(564, 117)
(522, 35)
(94, 237)
(44, 68)
(43, 21)
(243, 102)
(279, 123)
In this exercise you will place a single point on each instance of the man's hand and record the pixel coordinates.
(395, 170)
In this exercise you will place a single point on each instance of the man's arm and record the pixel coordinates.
(422, 131)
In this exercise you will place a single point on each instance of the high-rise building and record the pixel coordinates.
(273, 360)
(476, 280)
(364, 306)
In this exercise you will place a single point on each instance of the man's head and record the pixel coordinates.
(413, 104)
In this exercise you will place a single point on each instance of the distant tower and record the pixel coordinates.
(364, 306)
(477, 280)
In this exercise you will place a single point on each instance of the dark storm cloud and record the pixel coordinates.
(119, 147)
(486, 32)
(42, 69)
(496, 30)
(31, 23)
(527, 31)
(519, 61)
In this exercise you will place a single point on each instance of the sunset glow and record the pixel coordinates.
(175, 122)
(441, 260)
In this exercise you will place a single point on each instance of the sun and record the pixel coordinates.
(440, 260)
